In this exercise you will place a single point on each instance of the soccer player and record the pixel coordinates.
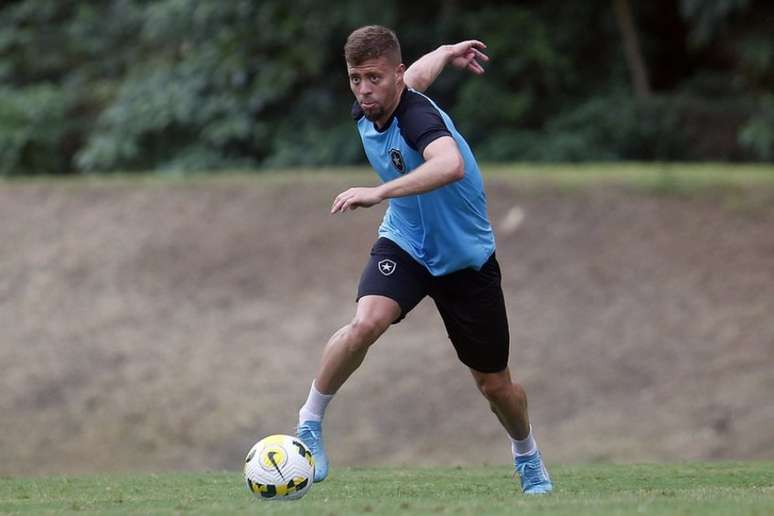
(435, 240)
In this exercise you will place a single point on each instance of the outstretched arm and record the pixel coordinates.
(464, 55)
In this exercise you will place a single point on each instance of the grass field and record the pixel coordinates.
(739, 488)
(648, 176)
(708, 257)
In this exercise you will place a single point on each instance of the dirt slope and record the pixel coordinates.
(168, 326)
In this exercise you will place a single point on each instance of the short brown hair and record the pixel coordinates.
(372, 42)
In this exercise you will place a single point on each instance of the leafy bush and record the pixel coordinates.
(758, 133)
(95, 86)
(662, 128)
(601, 129)
(33, 125)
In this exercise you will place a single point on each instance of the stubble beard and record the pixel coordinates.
(374, 114)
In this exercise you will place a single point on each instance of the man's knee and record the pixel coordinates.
(495, 391)
(498, 388)
(365, 330)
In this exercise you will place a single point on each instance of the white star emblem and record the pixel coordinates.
(387, 267)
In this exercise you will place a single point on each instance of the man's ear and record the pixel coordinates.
(399, 71)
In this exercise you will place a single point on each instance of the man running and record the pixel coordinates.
(435, 240)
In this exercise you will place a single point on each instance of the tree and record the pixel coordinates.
(634, 59)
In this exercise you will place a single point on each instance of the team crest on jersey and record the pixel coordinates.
(387, 267)
(397, 160)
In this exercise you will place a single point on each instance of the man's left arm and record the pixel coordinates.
(464, 55)
(443, 165)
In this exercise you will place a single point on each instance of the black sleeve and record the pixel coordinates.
(420, 122)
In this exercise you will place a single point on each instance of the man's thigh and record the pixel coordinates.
(391, 272)
(472, 306)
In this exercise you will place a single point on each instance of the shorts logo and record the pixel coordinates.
(387, 267)
(397, 160)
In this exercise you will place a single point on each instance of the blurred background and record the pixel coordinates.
(92, 86)
(160, 310)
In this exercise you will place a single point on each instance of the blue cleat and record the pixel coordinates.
(310, 432)
(533, 474)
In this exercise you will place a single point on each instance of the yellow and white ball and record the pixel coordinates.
(279, 467)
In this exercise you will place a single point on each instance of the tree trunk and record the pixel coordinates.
(634, 60)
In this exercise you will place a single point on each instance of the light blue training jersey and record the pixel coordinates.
(446, 229)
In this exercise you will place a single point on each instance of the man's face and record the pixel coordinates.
(376, 84)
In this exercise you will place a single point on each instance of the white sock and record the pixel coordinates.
(526, 446)
(314, 408)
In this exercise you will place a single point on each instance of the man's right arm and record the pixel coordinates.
(464, 55)
(443, 164)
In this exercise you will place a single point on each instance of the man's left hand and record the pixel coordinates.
(466, 55)
(359, 197)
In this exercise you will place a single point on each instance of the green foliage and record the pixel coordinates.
(758, 133)
(93, 86)
(33, 125)
(709, 17)
(230, 83)
(600, 129)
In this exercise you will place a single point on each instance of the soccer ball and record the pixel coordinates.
(279, 467)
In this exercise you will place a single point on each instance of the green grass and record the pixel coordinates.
(738, 488)
(655, 177)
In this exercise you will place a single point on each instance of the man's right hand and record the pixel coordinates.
(358, 197)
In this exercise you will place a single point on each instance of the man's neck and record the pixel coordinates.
(388, 113)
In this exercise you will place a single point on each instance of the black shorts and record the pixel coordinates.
(470, 302)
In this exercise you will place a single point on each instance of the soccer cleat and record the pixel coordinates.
(533, 474)
(311, 433)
